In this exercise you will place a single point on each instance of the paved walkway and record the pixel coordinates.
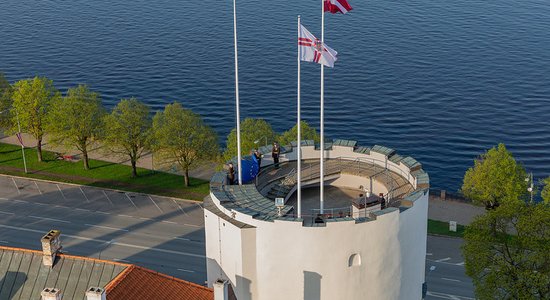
(447, 210)
(204, 172)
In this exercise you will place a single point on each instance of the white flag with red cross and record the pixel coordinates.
(313, 50)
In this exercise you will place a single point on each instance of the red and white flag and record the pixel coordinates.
(313, 50)
(337, 6)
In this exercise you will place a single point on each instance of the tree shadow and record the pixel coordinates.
(11, 283)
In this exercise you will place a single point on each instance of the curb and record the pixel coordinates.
(94, 187)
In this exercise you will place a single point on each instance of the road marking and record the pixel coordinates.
(155, 203)
(63, 195)
(106, 227)
(102, 212)
(188, 271)
(144, 218)
(112, 243)
(7, 213)
(447, 296)
(460, 264)
(81, 209)
(4, 242)
(86, 197)
(450, 279)
(192, 225)
(49, 219)
(169, 222)
(181, 239)
(443, 259)
(125, 216)
(179, 207)
(106, 196)
(16, 187)
(429, 254)
(130, 200)
(36, 184)
(122, 260)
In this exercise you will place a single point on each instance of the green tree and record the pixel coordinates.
(308, 133)
(127, 130)
(31, 101)
(252, 130)
(5, 101)
(180, 136)
(545, 193)
(507, 252)
(76, 120)
(495, 178)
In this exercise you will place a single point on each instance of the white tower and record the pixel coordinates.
(371, 248)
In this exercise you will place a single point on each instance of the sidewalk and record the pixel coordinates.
(448, 210)
(204, 172)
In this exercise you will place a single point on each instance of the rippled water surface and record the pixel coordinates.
(438, 80)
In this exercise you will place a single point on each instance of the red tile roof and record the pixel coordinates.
(137, 283)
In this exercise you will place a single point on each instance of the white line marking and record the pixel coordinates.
(460, 264)
(177, 204)
(63, 195)
(81, 209)
(87, 200)
(188, 271)
(102, 212)
(144, 218)
(125, 216)
(36, 184)
(107, 227)
(155, 203)
(443, 259)
(182, 239)
(4, 242)
(106, 196)
(444, 262)
(16, 187)
(110, 242)
(122, 260)
(192, 225)
(448, 296)
(450, 279)
(429, 254)
(7, 213)
(169, 222)
(130, 200)
(49, 219)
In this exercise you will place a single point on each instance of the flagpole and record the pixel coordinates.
(299, 143)
(322, 159)
(239, 170)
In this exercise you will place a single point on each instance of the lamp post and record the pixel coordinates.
(19, 136)
(530, 189)
(258, 140)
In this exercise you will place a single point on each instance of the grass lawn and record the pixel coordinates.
(442, 228)
(101, 174)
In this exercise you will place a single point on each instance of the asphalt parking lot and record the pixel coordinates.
(164, 234)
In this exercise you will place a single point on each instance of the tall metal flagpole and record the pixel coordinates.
(299, 142)
(239, 170)
(322, 159)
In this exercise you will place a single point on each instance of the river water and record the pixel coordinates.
(438, 80)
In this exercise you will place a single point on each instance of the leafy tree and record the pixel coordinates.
(545, 193)
(495, 178)
(127, 129)
(5, 101)
(252, 130)
(308, 133)
(76, 120)
(507, 252)
(31, 101)
(180, 136)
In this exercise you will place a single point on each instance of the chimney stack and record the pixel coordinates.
(51, 294)
(51, 244)
(95, 293)
(221, 291)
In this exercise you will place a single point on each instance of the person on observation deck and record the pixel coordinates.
(258, 157)
(230, 173)
(275, 152)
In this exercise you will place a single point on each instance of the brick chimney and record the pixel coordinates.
(51, 294)
(95, 293)
(221, 289)
(51, 244)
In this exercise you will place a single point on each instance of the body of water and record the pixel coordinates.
(441, 81)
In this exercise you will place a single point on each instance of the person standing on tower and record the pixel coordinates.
(275, 152)
(258, 157)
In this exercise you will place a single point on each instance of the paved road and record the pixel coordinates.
(448, 280)
(162, 234)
